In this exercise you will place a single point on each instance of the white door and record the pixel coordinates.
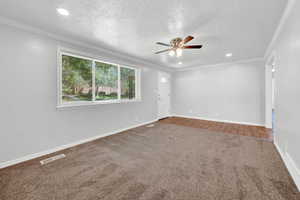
(164, 89)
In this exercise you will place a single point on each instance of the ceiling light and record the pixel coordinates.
(172, 53)
(63, 11)
(180, 63)
(178, 52)
(228, 55)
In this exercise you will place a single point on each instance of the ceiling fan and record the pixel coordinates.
(177, 45)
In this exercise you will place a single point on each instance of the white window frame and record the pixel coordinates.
(76, 54)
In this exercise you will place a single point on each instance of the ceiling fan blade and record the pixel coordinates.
(192, 47)
(187, 39)
(162, 51)
(160, 43)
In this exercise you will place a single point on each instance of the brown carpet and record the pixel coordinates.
(166, 161)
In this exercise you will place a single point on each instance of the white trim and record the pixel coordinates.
(75, 54)
(59, 77)
(74, 41)
(93, 80)
(290, 165)
(139, 85)
(91, 56)
(32, 29)
(91, 103)
(218, 120)
(119, 82)
(59, 148)
(268, 126)
(193, 67)
(284, 17)
(128, 67)
(35, 30)
(270, 61)
(136, 83)
(165, 116)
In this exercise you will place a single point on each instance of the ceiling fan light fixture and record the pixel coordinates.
(177, 45)
(172, 53)
(228, 55)
(178, 52)
(63, 11)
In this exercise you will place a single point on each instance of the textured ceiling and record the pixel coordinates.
(242, 27)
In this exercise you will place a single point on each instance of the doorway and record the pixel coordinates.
(270, 93)
(163, 96)
(273, 70)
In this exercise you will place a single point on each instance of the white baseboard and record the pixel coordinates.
(59, 148)
(268, 126)
(218, 120)
(290, 165)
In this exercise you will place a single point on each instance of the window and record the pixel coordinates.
(106, 81)
(127, 83)
(76, 79)
(86, 81)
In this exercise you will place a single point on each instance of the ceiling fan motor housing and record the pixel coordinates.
(176, 42)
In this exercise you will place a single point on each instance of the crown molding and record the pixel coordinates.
(283, 19)
(260, 59)
(39, 31)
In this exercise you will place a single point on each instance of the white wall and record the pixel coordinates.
(268, 93)
(230, 92)
(286, 48)
(30, 122)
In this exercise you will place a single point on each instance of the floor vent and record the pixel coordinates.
(51, 159)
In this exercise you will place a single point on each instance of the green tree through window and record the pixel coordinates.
(76, 79)
(106, 81)
(89, 80)
(127, 83)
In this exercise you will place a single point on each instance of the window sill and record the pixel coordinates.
(78, 104)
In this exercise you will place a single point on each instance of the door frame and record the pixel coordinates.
(160, 76)
(270, 89)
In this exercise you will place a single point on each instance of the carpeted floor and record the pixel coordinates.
(164, 162)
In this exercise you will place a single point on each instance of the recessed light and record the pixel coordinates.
(180, 63)
(228, 54)
(63, 11)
